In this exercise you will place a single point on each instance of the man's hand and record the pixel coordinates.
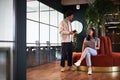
(73, 32)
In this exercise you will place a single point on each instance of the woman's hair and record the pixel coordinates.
(94, 34)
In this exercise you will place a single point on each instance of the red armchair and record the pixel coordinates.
(105, 57)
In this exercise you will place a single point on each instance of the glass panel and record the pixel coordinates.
(44, 33)
(33, 16)
(7, 28)
(43, 7)
(51, 9)
(53, 17)
(60, 18)
(31, 44)
(76, 25)
(53, 34)
(44, 17)
(32, 31)
(32, 6)
(44, 13)
(33, 10)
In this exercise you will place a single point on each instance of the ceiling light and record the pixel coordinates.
(77, 6)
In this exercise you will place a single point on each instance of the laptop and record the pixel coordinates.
(90, 44)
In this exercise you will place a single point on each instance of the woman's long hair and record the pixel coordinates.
(94, 34)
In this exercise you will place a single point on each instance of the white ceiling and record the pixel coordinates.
(74, 2)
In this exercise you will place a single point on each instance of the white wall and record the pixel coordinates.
(6, 20)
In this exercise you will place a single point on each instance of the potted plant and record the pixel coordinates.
(96, 13)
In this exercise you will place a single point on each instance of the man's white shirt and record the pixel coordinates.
(64, 29)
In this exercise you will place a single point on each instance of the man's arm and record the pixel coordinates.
(62, 31)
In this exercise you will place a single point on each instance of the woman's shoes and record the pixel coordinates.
(89, 71)
(77, 63)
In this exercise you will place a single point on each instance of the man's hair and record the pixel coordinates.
(68, 13)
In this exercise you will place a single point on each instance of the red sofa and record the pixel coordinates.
(105, 57)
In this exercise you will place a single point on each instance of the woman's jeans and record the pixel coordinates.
(87, 53)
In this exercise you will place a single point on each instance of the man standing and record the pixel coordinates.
(66, 34)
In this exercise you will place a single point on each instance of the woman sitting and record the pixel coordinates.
(90, 46)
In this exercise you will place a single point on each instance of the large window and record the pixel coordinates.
(42, 24)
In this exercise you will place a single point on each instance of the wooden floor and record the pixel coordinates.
(51, 71)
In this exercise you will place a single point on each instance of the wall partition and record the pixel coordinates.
(7, 34)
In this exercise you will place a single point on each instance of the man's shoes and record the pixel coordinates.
(62, 69)
(70, 68)
(77, 63)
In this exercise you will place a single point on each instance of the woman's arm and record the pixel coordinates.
(98, 45)
(83, 47)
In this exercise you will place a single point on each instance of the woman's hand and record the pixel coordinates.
(98, 47)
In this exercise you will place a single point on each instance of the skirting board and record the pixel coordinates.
(98, 69)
